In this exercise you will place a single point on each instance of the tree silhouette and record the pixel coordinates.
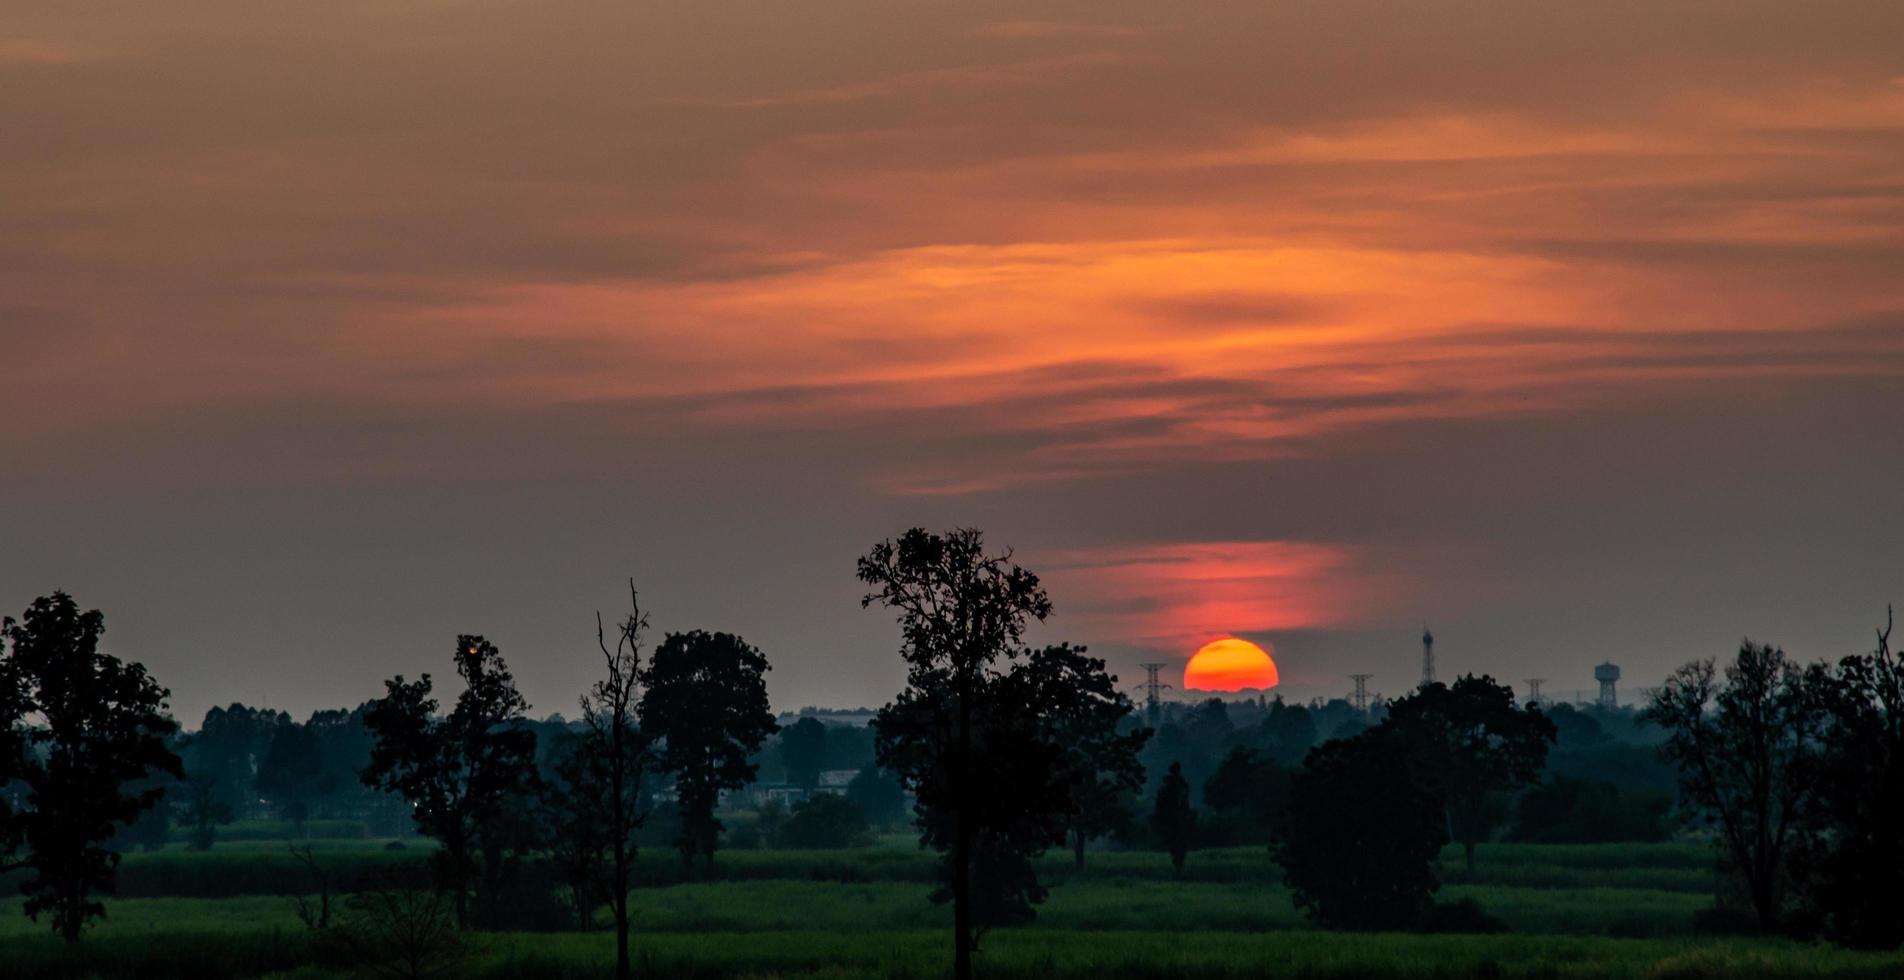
(82, 727)
(1250, 787)
(878, 795)
(823, 822)
(706, 706)
(292, 772)
(1173, 818)
(603, 778)
(1470, 743)
(1080, 710)
(960, 611)
(1850, 861)
(461, 773)
(1360, 834)
(1746, 752)
(803, 751)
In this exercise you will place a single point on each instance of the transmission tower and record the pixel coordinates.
(1360, 697)
(1153, 704)
(1533, 689)
(1427, 657)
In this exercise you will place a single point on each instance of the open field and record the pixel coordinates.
(1572, 911)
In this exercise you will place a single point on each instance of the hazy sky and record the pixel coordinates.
(331, 330)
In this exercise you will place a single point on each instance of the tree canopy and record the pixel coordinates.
(83, 731)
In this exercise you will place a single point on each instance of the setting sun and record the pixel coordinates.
(1230, 664)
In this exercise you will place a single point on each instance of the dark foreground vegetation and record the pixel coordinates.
(1745, 823)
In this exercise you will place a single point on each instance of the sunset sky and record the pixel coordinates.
(332, 330)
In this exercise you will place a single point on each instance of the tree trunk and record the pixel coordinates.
(962, 841)
(621, 937)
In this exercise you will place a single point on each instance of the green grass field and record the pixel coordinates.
(1589, 911)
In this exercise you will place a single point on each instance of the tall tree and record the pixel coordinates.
(1471, 743)
(612, 760)
(461, 773)
(1173, 818)
(1080, 711)
(82, 729)
(803, 751)
(1360, 835)
(292, 772)
(961, 612)
(227, 751)
(1850, 861)
(1746, 752)
(705, 705)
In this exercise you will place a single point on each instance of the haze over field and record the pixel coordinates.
(1576, 333)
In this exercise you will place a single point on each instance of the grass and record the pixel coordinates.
(1573, 911)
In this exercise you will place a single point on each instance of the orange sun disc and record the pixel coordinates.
(1230, 664)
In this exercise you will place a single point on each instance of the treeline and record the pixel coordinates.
(995, 751)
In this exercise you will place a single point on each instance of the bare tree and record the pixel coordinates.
(402, 933)
(314, 915)
(616, 756)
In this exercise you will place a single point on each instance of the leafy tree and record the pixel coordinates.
(1746, 752)
(204, 812)
(823, 822)
(803, 751)
(1573, 811)
(461, 773)
(1360, 834)
(1080, 711)
(1850, 861)
(1250, 787)
(82, 730)
(706, 706)
(1288, 732)
(1173, 818)
(1472, 743)
(878, 795)
(227, 750)
(292, 773)
(953, 736)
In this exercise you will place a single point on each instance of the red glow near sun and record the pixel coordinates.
(1230, 664)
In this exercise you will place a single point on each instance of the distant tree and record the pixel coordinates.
(959, 746)
(1746, 752)
(205, 812)
(228, 749)
(878, 795)
(1250, 787)
(1287, 733)
(821, 823)
(461, 773)
(803, 752)
(1360, 834)
(1572, 811)
(1471, 743)
(1849, 862)
(706, 706)
(292, 773)
(82, 730)
(1173, 818)
(1081, 712)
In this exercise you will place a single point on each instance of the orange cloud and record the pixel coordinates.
(1176, 597)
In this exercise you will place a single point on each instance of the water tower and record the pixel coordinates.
(1607, 674)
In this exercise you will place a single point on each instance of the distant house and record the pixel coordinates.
(753, 796)
(833, 782)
